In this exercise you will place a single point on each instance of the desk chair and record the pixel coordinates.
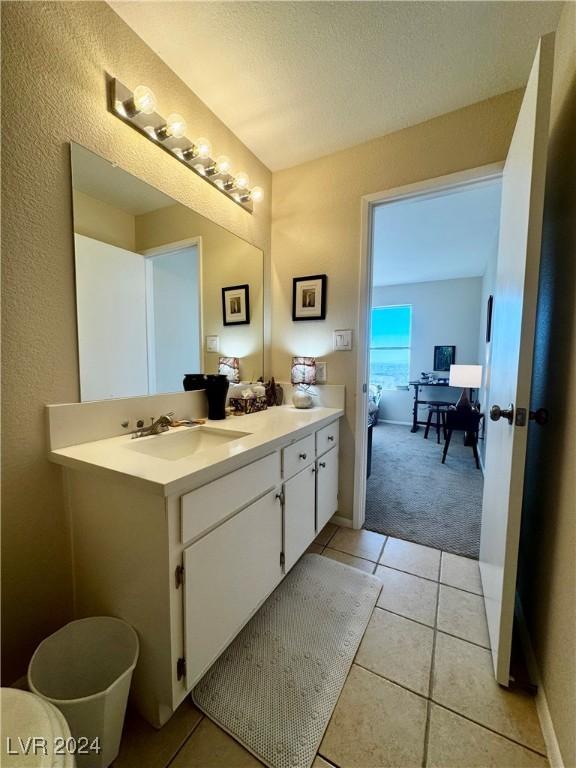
(467, 421)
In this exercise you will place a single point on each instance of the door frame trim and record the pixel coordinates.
(427, 187)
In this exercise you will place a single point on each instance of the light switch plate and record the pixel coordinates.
(212, 343)
(321, 374)
(342, 341)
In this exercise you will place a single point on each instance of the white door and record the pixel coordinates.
(326, 487)
(111, 306)
(512, 350)
(299, 515)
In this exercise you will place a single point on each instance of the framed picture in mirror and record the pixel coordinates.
(236, 305)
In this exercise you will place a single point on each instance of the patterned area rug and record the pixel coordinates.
(275, 687)
(412, 496)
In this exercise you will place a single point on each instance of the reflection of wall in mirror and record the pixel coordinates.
(226, 260)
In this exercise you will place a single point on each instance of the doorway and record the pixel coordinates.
(173, 313)
(430, 253)
(433, 272)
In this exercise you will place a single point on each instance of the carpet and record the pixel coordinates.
(274, 688)
(411, 495)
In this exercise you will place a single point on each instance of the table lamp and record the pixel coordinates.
(467, 377)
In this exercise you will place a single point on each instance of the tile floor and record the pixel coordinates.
(420, 693)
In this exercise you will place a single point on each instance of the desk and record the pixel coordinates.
(419, 401)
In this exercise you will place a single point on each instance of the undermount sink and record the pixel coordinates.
(172, 446)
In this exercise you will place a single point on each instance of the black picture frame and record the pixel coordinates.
(444, 357)
(489, 309)
(243, 296)
(317, 311)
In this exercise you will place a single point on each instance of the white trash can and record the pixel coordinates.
(85, 670)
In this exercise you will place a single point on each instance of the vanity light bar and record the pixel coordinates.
(138, 109)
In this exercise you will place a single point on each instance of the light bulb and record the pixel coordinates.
(176, 125)
(222, 164)
(144, 100)
(203, 148)
(242, 181)
(257, 194)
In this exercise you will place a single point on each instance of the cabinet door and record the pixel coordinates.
(327, 487)
(299, 517)
(227, 575)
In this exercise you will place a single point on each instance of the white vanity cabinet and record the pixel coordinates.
(187, 570)
(326, 487)
(227, 575)
(299, 495)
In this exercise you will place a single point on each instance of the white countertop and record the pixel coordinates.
(268, 430)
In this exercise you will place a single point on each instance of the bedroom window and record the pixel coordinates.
(390, 342)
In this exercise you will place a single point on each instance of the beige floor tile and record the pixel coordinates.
(319, 762)
(143, 745)
(375, 724)
(398, 649)
(461, 572)
(412, 558)
(408, 595)
(462, 614)
(315, 549)
(455, 742)
(366, 544)
(326, 534)
(344, 557)
(464, 681)
(210, 747)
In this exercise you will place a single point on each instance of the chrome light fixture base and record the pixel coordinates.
(153, 126)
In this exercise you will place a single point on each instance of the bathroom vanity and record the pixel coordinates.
(185, 534)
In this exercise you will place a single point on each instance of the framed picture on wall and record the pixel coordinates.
(444, 357)
(236, 305)
(309, 297)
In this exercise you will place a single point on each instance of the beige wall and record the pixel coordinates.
(55, 57)
(226, 260)
(547, 570)
(316, 229)
(100, 221)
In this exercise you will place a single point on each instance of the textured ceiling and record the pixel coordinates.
(298, 80)
(436, 237)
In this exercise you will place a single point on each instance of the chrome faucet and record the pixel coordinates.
(161, 424)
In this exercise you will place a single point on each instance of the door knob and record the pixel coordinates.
(540, 416)
(497, 413)
(302, 455)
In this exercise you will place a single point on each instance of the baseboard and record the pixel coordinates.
(481, 460)
(400, 423)
(343, 522)
(546, 723)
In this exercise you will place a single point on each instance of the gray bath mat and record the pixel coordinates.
(275, 687)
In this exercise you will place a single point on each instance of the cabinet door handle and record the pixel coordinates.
(322, 464)
(331, 438)
(303, 455)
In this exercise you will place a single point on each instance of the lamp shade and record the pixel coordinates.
(303, 370)
(466, 376)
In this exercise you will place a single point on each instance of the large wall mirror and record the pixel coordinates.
(151, 276)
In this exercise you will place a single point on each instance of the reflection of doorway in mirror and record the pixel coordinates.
(173, 315)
